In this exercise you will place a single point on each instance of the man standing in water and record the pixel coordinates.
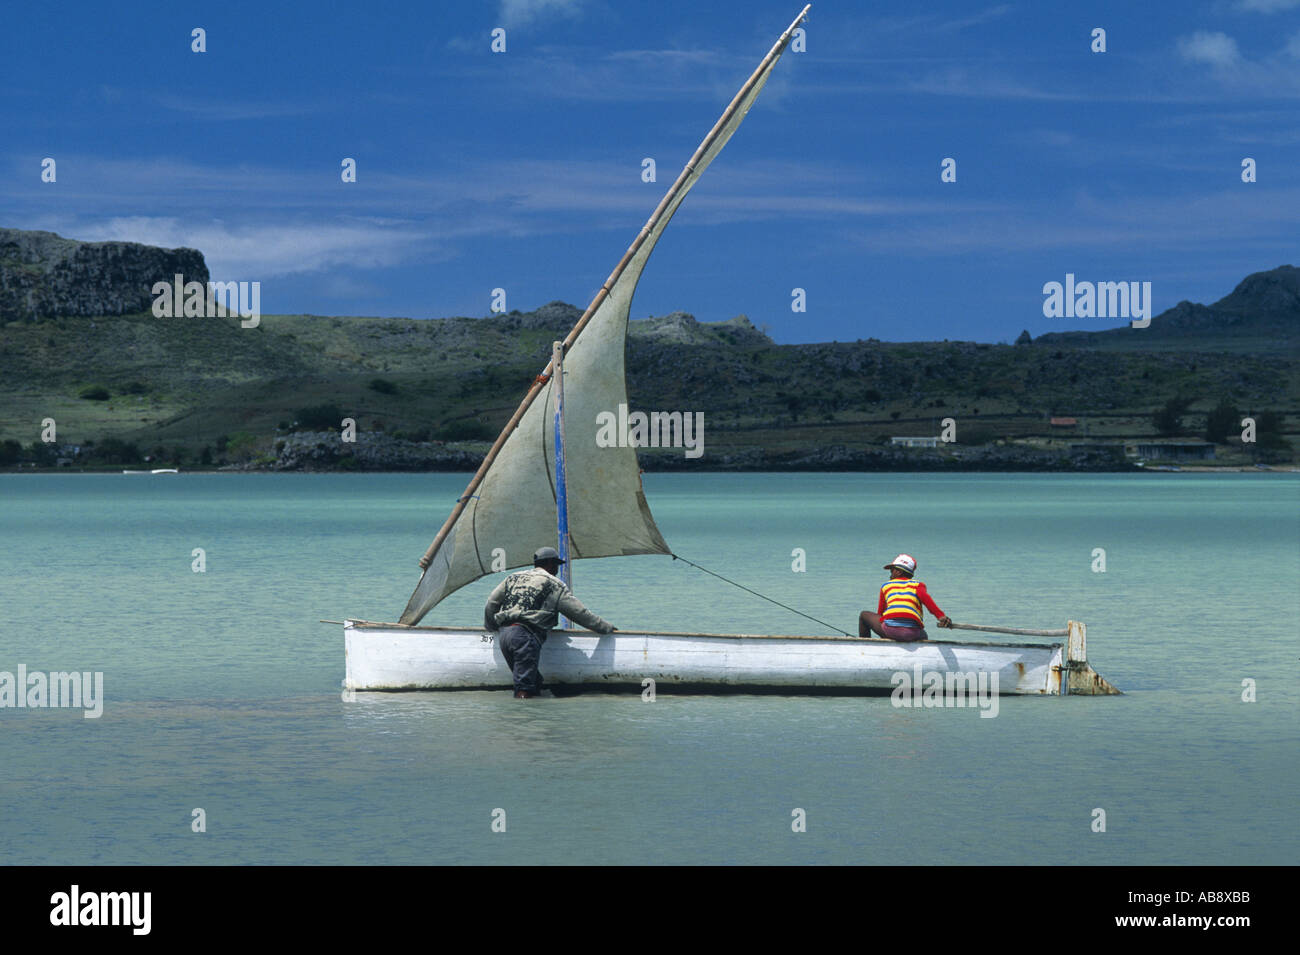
(898, 613)
(523, 607)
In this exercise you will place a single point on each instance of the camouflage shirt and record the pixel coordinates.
(535, 598)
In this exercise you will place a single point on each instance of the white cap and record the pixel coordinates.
(903, 562)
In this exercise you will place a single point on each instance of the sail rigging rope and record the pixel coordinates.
(764, 596)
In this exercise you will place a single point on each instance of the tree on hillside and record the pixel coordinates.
(115, 451)
(1271, 446)
(319, 418)
(1268, 428)
(43, 454)
(242, 446)
(468, 429)
(1169, 419)
(1222, 421)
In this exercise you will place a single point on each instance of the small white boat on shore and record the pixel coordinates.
(544, 481)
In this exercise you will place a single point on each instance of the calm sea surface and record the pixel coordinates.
(223, 691)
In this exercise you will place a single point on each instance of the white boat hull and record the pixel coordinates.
(395, 657)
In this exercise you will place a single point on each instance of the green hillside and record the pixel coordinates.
(185, 383)
(204, 391)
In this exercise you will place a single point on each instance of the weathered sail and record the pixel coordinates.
(510, 505)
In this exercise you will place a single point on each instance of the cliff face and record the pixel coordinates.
(43, 275)
(682, 328)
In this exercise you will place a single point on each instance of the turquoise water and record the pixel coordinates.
(222, 690)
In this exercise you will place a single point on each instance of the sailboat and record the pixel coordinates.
(541, 482)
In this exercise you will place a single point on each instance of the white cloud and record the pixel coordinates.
(1267, 6)
(1274, 74)
(1217, 49)
(342, 286)
(256, 252)
(980, 84)
(657, 58)
(519, 12)
(919, 24)
(992, 13)
(1204, 221)
(254, 223)
(213, 111)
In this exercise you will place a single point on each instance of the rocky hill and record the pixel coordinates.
(1261, 313)
(43, 275)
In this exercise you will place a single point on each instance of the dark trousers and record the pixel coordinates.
(905, 634)
(522, 648)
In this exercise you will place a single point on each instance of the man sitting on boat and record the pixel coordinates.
(898, 613)
(523, 607)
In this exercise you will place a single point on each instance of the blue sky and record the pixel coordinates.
(522, 170)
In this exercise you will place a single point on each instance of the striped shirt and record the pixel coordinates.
(902, 598)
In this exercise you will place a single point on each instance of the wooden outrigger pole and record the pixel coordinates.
(604, 291)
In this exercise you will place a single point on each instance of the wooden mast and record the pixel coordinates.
(603, 293)
(561, 481)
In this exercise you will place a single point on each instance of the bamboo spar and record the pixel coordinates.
(603, 293)
(1016, 630)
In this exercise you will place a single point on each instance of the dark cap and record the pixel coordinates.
(545, 554)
